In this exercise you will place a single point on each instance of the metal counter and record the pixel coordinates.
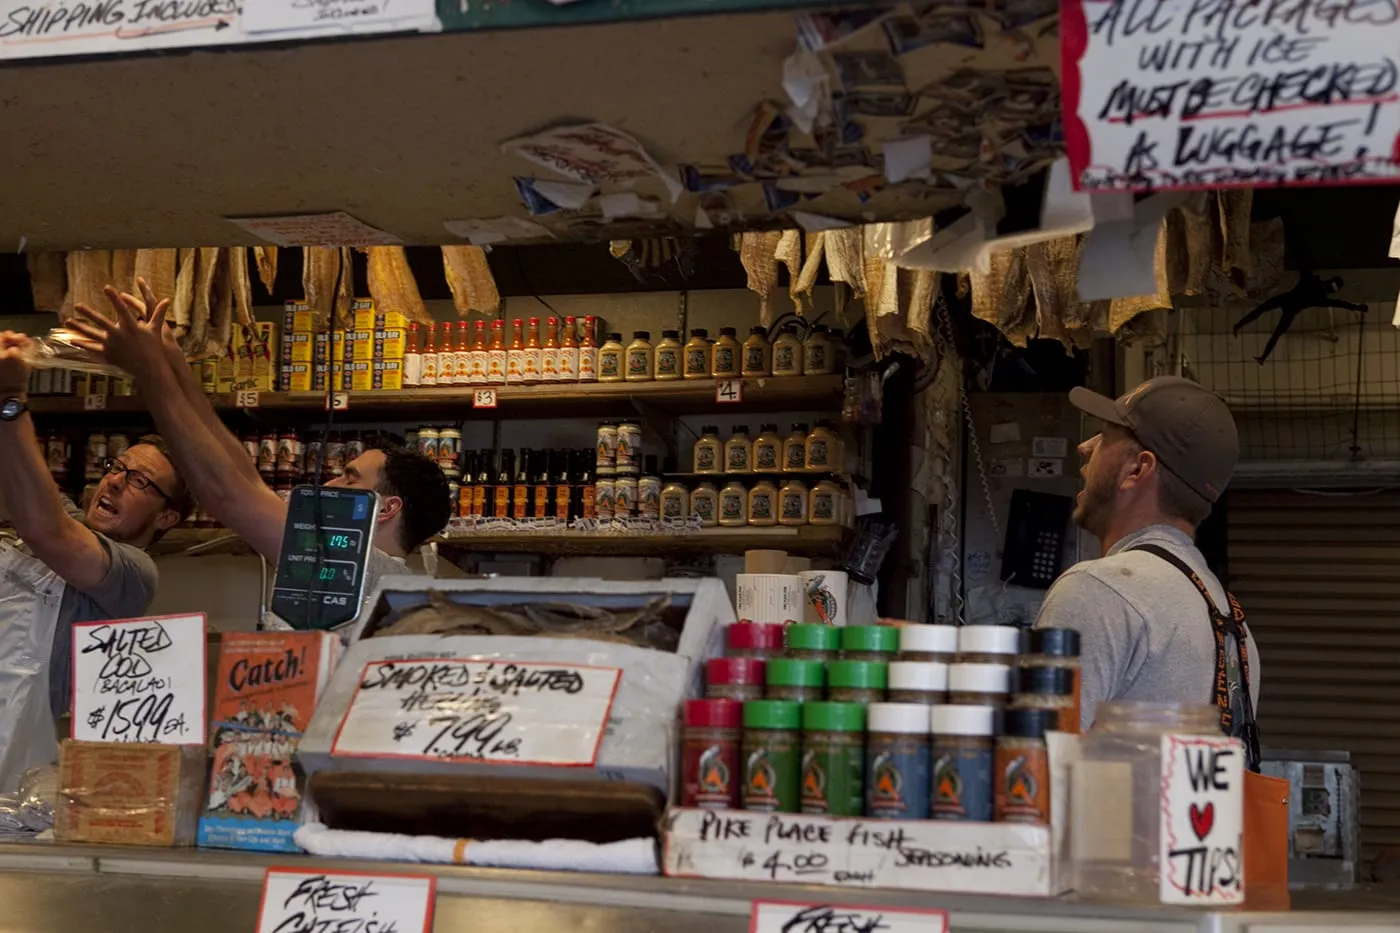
(59, 889)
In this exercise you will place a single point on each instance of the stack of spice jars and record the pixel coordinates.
(887, 722)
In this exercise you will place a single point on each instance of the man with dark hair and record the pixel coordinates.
(413, 494)
(1155, 624)
(65, 566)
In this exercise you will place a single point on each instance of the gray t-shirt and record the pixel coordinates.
(125, 592)
(1144, 628)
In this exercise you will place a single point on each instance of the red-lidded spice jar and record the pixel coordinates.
(734, 679)
(753, 640)
(710, 772)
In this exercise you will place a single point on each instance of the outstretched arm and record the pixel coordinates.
(210, 459)
(33, 502)
(1344, 305)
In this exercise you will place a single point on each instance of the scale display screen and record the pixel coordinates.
(325, 547)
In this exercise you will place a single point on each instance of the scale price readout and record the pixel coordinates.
(325, 546)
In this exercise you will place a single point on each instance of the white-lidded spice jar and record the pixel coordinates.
(923, 682)
(928, 643)
(989, 644)
(972, 684)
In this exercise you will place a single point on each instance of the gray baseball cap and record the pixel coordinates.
(1186, 425)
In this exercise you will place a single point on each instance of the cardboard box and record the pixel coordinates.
(129, 794)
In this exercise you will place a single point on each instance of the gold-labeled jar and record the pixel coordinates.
(709, 452)
(675, 502)
(824, 505)
(724, 355)
(738, 451)
(640, 357)
(787, 353)
(733, 505)
(823, 449)
(697, 355)
(668, 356)
(763, 504)
(704, 505)
(610, 354)
(818, 354)
(758, 353)
(767, 450)
(792, 503)
(795, 449)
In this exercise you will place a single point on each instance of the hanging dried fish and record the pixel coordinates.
(182, 305)
(206, 267)
(392, 286)
(220, 334)
(89, 271)
(1001, 296)
(267, 266)
(469, 277)
(124, 271)
(789, 253)
(811, 271)
(1199, 228)
(320, 267)
(922, 285)
(242, 287)
(48, 280)
(158, 267)
(345, 290)
(1235, 206)
(1122, 310)
(758, 255)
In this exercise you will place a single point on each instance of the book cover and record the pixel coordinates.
(267, 687)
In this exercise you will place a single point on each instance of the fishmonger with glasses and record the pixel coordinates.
(65, 566)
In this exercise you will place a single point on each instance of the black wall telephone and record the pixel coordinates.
(1035, 538)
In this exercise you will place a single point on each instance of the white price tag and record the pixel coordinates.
(140, 680)
(339, 401)
(526, 712)
(298, 900)
(792, 917)
(729, 390)
(1202, 821)
(484, 398)
(94, 403)
(246, 398)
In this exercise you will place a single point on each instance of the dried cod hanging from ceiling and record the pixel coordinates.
(469, 277)
(392, 286)
(48, 280)
(758, 255)
(158, 267)
(266, 257)
(320, 274)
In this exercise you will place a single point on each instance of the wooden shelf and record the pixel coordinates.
(806, 540)
(560, 400)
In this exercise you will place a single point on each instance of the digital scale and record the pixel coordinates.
(325, 546)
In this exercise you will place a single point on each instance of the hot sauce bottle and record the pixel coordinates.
(430, 358)
(549, 355)
(480, 359)
(413, 358)
(533, 352)
(520, 492)
(588, 351)
(464, 354)
(496, 356)
(447, 356)
(515, 356)
(568, 352)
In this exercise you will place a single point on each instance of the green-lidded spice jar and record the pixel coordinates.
(772, 755)
(811, 642)
(802, 681)
(869, 642)
(833, 758)
(856, 681)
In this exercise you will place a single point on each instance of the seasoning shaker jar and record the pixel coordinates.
(710, 740)
(1114, 856)
(963, 751)
(753, 640)
(869, 642)
(812, 642)
(856, 681)
(833, 758)
(772, 756)
(1056, 647)
(1049, 688)
(919, 642)
(1022, 767)
(898, 777)
(803, 681)
(734, 679)
(921, 682)
(978, 684)
(989, 644)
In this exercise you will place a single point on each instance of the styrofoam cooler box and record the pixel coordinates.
(360, 723)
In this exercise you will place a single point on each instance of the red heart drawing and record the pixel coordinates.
(1202, 819)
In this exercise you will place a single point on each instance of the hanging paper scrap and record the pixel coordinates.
(483, 232)
(592, 152)
(1291, 94)
(908, 34)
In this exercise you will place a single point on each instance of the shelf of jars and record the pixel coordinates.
(552, 400)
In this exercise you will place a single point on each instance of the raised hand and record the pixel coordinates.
(135, 339)
(14, 362)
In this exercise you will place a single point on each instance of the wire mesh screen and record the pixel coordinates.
(1328, 391)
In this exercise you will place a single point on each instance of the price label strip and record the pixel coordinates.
(94, 403)
(299, 901)
(246, 398)
(815, 917)
(524, 712)
(140, 680)
(729, 390)
(484, 398)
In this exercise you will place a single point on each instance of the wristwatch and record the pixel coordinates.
(12, 407)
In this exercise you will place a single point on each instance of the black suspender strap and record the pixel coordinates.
(1231, 638)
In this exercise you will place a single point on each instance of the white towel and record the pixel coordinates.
(628, 857)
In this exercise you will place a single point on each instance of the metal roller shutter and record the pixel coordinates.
(1318, 575)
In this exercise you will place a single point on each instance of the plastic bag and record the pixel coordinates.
(57, 350)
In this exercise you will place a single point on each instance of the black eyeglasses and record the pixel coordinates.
(134, 477)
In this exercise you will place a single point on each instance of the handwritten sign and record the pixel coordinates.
(93, 402)
(247, 398)
(140, 680)
(1202, 823)
(1212, 93)
(484, 398)
(524, 712)
(729, 390)
(333, 229)
(983, 858)
(310, 902)
(279, 15)
(786, 917)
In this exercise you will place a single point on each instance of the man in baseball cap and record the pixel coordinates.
(1149, 609)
